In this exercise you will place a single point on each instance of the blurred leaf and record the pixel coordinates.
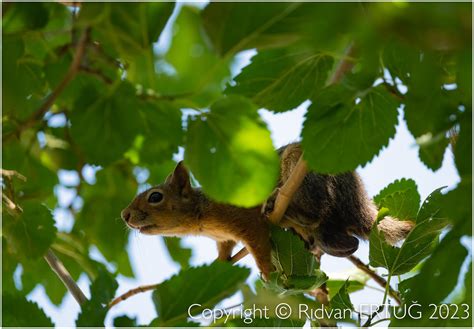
(432, 150)
(419, 243)
(31, 234)
(429, 107)
(178, 253)
(128, 30)
(206, 285)
(232, 143)
(21, 158)
(281, 79)
(341, 133)
(196, 72)
(21, 17)
(129, 27)
(22, 93)
(110, 119)
(101, 218)
(94, 310)
(463, 146)
(19, 312)
(401, 198)
(253, 19)
(125, 321)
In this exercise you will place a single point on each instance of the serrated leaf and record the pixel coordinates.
(419, 243)
(401, 198)
(178, 253)
(339, 135)
(30, 235)
(94, 310)
(110, 120)
(232, 143)
(17, 311)
(281, 79)
(438, 275)
(206, 285)
(341, 301)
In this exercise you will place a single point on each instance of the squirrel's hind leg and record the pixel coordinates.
(335, 241)
(224, 249)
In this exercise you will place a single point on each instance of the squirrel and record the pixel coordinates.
(328, 212)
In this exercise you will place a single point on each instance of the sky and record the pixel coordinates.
(152, 264)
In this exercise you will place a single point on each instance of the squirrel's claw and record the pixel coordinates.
(269, 204)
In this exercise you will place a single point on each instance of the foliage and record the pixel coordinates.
(104, 92)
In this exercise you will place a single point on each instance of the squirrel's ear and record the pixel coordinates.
(180, 179)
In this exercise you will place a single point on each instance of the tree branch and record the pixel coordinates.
(131, 293)
(71, 285)
(71, 73)
(377, 278)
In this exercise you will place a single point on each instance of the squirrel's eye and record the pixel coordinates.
(155, 197)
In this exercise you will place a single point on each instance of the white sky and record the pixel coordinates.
(150, 260)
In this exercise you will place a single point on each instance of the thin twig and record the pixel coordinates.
(132, 292)
(377, 278)
(71, 285)
(71, 73)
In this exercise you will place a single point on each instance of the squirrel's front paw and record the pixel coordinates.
(269, 205)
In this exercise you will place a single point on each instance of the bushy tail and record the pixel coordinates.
(394, 230)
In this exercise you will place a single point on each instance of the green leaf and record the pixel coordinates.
(430, 108)
(401, 198)
(341, 301)
(232, 143)
(94, 310)
(463, 146)
(254, 20)
(196, 70)
(438, 275)
(125, 321)
(101, 218)
(178, 253)
(419, 243)
(129, 27)
(206, 285)
(30, 235)
(22, 95)
(162, 131)
(24, 158)
(297, 270)
(21, 17)
(432, 150)
(19, 312)
(110, 119)
(281, 79)
(339, 135)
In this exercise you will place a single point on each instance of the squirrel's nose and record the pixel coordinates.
(125, 215)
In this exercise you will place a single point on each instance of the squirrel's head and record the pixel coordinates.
(165, 209)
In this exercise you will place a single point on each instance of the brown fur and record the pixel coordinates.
(327, 211)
